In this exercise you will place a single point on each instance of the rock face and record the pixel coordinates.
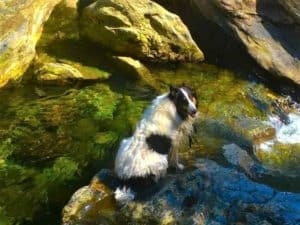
(293, 7)
(269, 33)
(210, 194)
(140, 29)
(21, 25)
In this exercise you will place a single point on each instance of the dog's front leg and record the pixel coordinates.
(179, 165)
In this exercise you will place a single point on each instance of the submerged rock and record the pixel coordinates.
(21, 24)
(240, 158)
(210, 194)
(140, 29)
(264, 28)
(61, 73)
(132, 67)
(57, 73)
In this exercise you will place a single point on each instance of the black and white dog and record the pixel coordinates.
(147, 153)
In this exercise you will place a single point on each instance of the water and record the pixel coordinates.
(56, 143)
(285, 133)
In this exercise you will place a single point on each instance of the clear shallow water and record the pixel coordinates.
(52, 145)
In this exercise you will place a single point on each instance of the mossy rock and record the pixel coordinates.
(21, 25)
(62, 73)
(140, 29)
(284, 158)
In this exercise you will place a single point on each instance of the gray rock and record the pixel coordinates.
(210, 194)
(239, 157)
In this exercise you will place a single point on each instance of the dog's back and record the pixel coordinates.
(135, 158)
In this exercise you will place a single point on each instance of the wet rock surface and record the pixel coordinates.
(142, 30)
(209, 194)
(21, 24)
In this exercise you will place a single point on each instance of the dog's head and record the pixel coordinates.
(185, 100)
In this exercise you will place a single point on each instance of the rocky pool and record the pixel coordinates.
(54, 143)
(94, 70)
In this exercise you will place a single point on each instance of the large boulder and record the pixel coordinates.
(210, 194)
(140, 29)
(21, 24)
(268, 32)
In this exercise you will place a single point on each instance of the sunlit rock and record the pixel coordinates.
(89, 204)
(21, 25)
(140, 29)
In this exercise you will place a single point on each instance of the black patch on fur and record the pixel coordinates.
(143, 187)
(159, 143)
(180, 101)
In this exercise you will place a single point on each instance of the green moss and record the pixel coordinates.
(6, 149)
(23, 189)
(282, 157)
(221, 94)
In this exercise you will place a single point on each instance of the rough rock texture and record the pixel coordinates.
(90, 204)
(21, 24)
(57, 72)
(140, 29)
(268, 32)
(210, 194)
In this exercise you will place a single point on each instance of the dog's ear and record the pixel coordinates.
(173, 90)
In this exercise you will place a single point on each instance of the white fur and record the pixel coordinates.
(124, 195)
(191, 107)
(134, 158)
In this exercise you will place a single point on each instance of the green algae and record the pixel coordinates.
(283, 157)
(223, 102)
(221, 93)
(50, 141)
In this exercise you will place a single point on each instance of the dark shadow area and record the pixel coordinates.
(81, 4)
(224, 50)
